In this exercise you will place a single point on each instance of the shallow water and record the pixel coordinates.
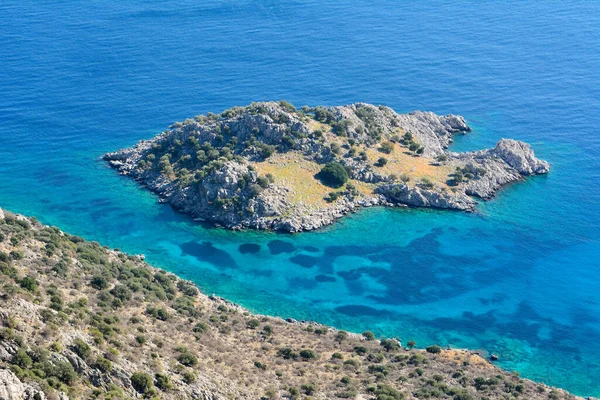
(519, 278)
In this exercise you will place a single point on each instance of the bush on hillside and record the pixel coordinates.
(333, 175)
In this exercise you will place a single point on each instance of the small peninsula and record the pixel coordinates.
(274, 167)
(82, 321)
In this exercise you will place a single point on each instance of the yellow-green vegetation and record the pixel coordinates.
(296, 173)
(401, 162)
(91, 322)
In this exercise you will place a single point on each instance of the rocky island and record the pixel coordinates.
(82, 321)
(274, 167)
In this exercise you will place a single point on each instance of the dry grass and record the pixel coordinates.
(401, 161)
(296, 173)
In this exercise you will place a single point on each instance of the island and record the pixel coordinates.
(82, 321)
(271, 166)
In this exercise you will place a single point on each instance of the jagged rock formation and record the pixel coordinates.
(11, 388)
(80, 321)
(248, 167)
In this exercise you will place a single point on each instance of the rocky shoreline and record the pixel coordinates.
(78, 320)
(210, 166)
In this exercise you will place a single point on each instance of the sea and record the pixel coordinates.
(519, 278)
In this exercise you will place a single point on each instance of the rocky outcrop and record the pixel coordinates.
(206, 166)
(433, 132)
(520, 157)
(1, 215)
(508, 162)
(11, 388)
(422, 197)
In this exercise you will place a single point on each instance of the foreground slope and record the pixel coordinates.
(78, 320)
(271, 166)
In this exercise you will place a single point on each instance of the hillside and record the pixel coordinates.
(272, 166)
(78, 320)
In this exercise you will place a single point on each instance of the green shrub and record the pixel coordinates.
(378, 369)
(253, 324)
(29, 283)
(427, 183)
(141, 382)
(163, 382)
(341, 336)
(368, 335)
(200, 327)
(260, 365)
(340, 128)
(331, 197)
(382, 161)
(61, 370)
(187, 359)
(103, 364)
(308, 388)
(287, 353)
(308, 354)
(386, 147)
(189, 377)
(99, 282)
(385, 392)
(289, 107)
(158, 313)
(21, 359)
(121, 292)
(262, 181)
(81, 348)
(390, 344)
(352, 363)
(6, 269)
(333, 174)
(435, 349)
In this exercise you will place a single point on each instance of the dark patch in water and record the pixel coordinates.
(496, 298)
(301, 283)
(351, 275)
(249, 248)
(279, 246)
(60, 207)
(357, 310)
(261, 272)
(126, 215)
(100, 201)
(311, 249)
(304, 260)
(420, 264)
(325, 278)
(374, 272)
(205, 251)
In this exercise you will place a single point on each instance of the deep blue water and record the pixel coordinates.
(520, 278)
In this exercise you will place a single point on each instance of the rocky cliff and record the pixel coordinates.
(258, 166)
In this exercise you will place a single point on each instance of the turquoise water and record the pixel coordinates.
(519, 278)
